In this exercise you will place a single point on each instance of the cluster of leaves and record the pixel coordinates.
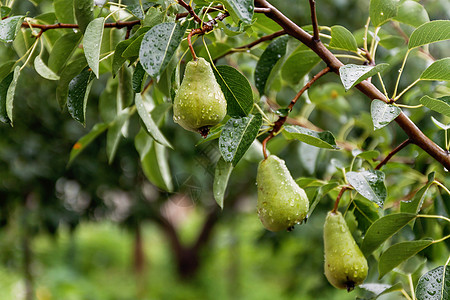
(139, 49)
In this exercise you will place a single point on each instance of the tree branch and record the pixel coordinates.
(314, 22)
(415, 134)
(393, 152)
(190, 10)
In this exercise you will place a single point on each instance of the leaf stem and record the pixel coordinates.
(29, 56)
(382, 85)
(351, 57)
(411, 286)
(442, 186)
(441, 239)
(406, 294)
(400, 74)
(336, 203)
(434, 217)
(366, 30)
(408, 106)
(406, 89)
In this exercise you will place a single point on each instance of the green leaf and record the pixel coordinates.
(134, 47)
(10, 91)
(240, 9)
(139, 77)
(342, 39)
(381, 11)
(221, 176)
(236, 89)
(430, 32)
(159, 45)
(115, 133)
(9, 27)
(352, 74)
(63, 49)
(381, 289)
(138, 10)
(84, 13)
(369, 155)
(78, 94)
(383, 113)
(441, 105)
(415, 204)
(126, 93)
(323, 139)
(6, 68)
(43, 70)
(298, 64)
(91, 44)
(440, 125)
(64, 11)
(67, 74)
(369, 184)
(154, 161)
(4, 11)
(150, 124)
(412, 13)
(270, 56)
(237, 136)
(434, 285)
(398, 253)
(382, 229)
(4, 86)
(321, 192)
(366, 213)
(83, 142)
(439, 71)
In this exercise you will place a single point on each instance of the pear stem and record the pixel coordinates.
(264, 144)
(336, 203)
(189, 37)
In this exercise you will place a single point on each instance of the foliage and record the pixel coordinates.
(116, 67)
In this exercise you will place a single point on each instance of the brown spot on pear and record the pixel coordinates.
(345, 265)
(281, 202)
(199, 102)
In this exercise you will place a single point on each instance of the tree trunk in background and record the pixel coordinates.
(28, 277)
(139, 255)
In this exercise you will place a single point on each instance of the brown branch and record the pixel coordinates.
(393, 152)
(307, 86)
(336, 203)
(315, 24)
(415, 134)
(262, 39)
(205, 10)
(190, 10)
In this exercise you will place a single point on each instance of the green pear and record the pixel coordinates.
(199, 102)
(345, 265)
(281, 202)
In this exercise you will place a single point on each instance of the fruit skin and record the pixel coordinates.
(199, 102)
(281, 202)
(345, 265)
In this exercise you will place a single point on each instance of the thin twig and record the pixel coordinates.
(264, 144)
(393, 152)
(262, 39)
(190, 10)
(315, 24)
(336, 203)
(307, 86)
(205, 10)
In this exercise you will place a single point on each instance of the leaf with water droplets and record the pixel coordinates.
(84, 12)
(9, 28)
(434, 285)
(352, 74)
(380, 289)
(221, 176)
(83, 142)
(79, 89)
(240, 10)
(63, 49)
(430, 32)
(237, 136)
(150, 124)
(138, 10)
(4, 86)
(92, 44)
(398, 253)
(381, 11)
(324, 139)
(382, 229)
(64, 11)
(439, 71)
(383, 113)
(139, 77)
(415, 204)
(273, 53)
(441, 105)
(159, 45)
(67, 74)
(370, 184)
(236, 89)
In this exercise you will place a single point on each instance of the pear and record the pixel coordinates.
(199, 102)
(281, 202)
(345, 265)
